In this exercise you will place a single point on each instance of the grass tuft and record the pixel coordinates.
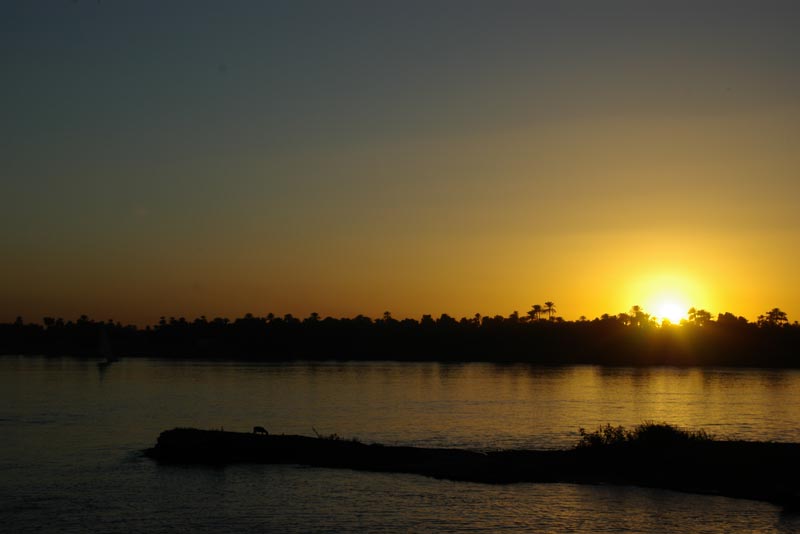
(334, 437)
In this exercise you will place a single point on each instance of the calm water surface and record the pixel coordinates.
(72, 432)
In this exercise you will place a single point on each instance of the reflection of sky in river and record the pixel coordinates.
(73, 432)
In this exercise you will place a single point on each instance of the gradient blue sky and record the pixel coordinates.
(217, 158)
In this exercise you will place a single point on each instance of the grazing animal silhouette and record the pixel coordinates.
(260, 430)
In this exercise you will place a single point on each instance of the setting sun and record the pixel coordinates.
(670, 310)
(668, 295)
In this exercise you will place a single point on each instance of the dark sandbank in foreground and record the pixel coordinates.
(656, 456)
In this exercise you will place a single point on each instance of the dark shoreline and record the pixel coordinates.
(726, 342)
(762, 471)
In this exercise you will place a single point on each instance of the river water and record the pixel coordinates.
(72, 431)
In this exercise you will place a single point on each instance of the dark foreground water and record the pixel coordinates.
(71, 434)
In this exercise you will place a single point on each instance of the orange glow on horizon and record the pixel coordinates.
(668, 295)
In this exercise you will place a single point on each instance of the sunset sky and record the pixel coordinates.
(217, 158)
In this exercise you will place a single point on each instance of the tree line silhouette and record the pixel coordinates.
(537, 337)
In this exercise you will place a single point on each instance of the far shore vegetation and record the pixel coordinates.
(539, 336)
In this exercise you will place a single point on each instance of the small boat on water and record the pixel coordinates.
(104, 350)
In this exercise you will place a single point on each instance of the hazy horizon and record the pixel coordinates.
(188, 159)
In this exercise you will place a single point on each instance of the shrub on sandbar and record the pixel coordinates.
(648, 433)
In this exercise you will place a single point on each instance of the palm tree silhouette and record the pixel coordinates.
(549, 309)
(536, 312)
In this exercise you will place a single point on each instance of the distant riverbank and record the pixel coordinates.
(606, 341)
